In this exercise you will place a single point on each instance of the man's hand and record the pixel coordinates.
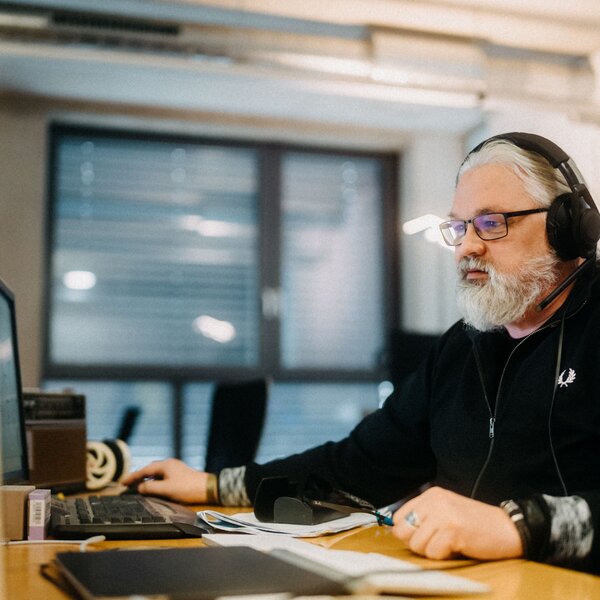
(446, 524)
(170, 479)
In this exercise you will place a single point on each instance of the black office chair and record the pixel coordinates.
(236, 423)
(129, 418)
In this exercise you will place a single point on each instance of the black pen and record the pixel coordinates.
(381, 519)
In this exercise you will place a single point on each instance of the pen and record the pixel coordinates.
(381, 519)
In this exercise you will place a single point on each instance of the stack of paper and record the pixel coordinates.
(248, 523)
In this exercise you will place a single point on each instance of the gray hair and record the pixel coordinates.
(541, 180)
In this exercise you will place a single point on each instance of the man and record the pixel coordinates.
(503, 418)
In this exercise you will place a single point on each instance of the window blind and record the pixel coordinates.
(332, 263)
(154, 257)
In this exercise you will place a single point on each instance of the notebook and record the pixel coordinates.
(122, 517)
(187, 573)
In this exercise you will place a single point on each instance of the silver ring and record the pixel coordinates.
(412, 519)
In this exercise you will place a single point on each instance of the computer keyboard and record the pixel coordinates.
(130, 516)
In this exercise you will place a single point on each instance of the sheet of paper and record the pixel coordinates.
(261, 541)
(248, 523)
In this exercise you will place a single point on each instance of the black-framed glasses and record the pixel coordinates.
(489, 226)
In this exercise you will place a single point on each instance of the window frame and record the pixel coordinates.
(269, 159)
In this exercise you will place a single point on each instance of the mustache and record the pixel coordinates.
(473, 264)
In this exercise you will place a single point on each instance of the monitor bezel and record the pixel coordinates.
(21, 476)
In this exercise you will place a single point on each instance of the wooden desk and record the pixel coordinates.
(511, 579)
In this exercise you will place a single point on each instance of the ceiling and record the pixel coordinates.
(384, 64)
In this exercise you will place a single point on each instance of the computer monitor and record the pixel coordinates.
(12, 422)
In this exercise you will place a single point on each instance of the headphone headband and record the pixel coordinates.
(573, 222)
(554, 154)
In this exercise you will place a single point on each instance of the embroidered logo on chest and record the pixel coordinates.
(569, 379)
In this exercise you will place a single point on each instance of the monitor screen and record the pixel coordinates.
(12, 424)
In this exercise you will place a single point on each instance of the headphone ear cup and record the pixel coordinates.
(573, 228)
(588, 232)
(559, 228)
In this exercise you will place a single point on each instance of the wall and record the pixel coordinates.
(426, 182)
(578, 138)
(22, 224)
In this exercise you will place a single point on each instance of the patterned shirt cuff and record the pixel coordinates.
(571, 529)
(232, 489)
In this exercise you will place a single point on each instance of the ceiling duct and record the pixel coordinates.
(88, 28)
(95, 23)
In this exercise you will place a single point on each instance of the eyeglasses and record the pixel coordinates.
(490, 226)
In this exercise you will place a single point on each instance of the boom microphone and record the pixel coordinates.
(562, 286)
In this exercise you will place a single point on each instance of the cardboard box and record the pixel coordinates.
(14, 510)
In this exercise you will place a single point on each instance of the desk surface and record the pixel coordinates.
(511, 579)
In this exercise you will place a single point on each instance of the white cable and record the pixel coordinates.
(83, 544)
(91, 540)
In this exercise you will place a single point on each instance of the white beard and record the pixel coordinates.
(503, 299)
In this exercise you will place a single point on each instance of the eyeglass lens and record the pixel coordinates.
(488, 227)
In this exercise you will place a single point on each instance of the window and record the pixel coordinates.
(299, 416)
(155, 256)
(178, 261)
(331, 230)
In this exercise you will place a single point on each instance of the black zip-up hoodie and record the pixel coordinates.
(485, 416)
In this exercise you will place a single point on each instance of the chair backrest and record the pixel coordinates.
(236, 423)
(406, 352)
(129, 418)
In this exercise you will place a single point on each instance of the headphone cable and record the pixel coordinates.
(556, 376)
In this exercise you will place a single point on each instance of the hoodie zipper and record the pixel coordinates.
(492, 423)
(492, 420)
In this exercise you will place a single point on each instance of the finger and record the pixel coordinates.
(132, 477)
(407, 520)
(419, 539)
(155, 487)
(155, 469)
(403, 530)
(400, 514)
(441, 545)
(422, 535)
(416, 538)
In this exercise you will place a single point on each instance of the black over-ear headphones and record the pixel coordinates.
(573, 222)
